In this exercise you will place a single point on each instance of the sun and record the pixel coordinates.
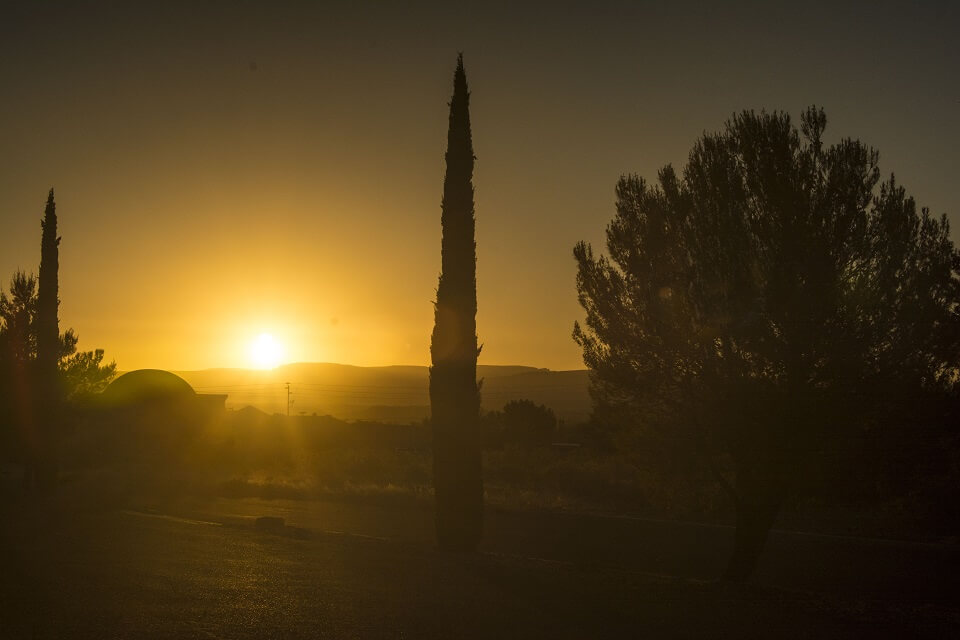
(265, 351)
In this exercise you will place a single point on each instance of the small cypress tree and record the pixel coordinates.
(454, 392)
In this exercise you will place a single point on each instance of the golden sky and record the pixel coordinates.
(227, 169)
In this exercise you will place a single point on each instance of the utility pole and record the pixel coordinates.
(288, 400)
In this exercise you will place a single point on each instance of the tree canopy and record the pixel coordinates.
(754, 302)
(521, 422)
(81, 373)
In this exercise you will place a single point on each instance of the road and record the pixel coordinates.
(353, 570)
(844, 566)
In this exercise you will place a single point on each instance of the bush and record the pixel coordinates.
(521, 422)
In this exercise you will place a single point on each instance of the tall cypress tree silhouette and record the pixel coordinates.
(454, 392)
(48, 344)
(48, 328)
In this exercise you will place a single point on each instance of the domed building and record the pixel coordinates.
(146, 418)
(157, 389)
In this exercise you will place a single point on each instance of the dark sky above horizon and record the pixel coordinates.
(230, 168)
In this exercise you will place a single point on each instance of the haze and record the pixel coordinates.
(224, 170)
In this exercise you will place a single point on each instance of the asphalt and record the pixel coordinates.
(355, 570)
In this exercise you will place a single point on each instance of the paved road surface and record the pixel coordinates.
(848, 567)
(353, 571)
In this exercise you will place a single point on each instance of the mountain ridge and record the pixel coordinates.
(390, 393)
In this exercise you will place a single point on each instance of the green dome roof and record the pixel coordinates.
(147, 385)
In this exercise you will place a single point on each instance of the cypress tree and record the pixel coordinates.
(48, 329)
(48, 347)
(454, 392)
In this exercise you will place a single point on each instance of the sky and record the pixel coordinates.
(227, 169)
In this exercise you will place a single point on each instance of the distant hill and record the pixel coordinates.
(388, 394)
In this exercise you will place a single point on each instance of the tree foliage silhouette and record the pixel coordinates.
(79, 375)
(18, 326)
(753, 303)
(40, 369)
(521, 422)
(454, 392)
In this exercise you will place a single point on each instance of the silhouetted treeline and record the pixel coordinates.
(42, 376)
(231, 440)
(776, 315)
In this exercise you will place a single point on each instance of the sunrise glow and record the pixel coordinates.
(266, 352)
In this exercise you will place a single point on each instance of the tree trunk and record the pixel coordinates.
(754, 520)
(458, 477)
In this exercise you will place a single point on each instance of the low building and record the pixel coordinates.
(157, 390)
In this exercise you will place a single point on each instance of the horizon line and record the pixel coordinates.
(339, 364)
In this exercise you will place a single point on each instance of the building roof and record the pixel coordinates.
(147, 385)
